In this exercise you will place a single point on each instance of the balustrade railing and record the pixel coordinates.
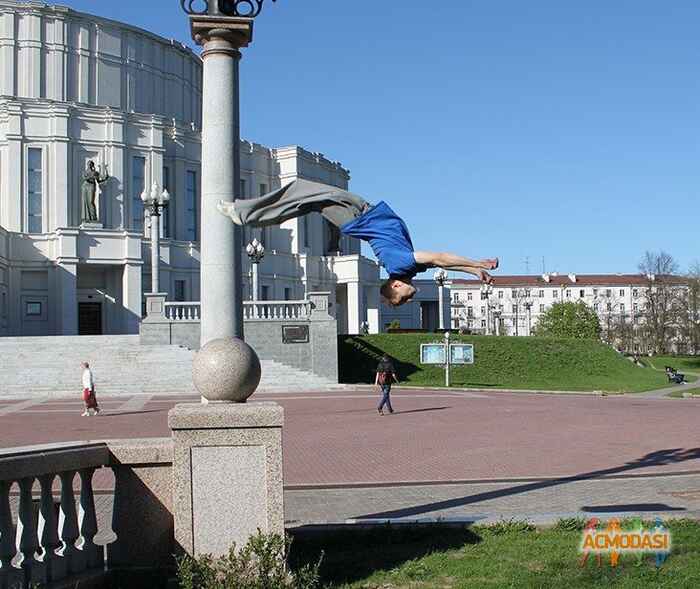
(260, 310)
(57, 540)
(276, 310)
(47, 533)
(183, 311)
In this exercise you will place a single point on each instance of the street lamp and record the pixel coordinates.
(486, 290)
(240, 8)
(528, 306)
(440, 278)
(497, 322)
(256, 253)
(154, 201)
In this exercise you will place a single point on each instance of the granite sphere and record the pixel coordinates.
(226, 370)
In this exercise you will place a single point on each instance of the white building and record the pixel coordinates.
(423, 312)
(74, 88)
(514, 304)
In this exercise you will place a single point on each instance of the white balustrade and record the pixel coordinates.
(68, 525)
(252, 310)
(276, 310)
(183, 311)
(7, 536)
(41, 548)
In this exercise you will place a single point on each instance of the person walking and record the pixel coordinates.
(386, 375)
(89, 397)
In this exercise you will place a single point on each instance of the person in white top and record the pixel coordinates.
(89, 391)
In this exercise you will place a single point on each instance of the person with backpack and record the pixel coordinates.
(386, 375)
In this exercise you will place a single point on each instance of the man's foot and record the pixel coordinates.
(228, 209)
(485, 277)
(490, 263)
(85, 414)
(380, 412)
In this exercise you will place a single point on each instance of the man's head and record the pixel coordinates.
(91, 165)
(398, 291)
(84, 365)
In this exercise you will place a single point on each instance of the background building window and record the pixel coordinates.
(166, 211)
(581, 293)
(191, 207)
(180, 291)
(287, 294)
(34, 190)
(500, 294)
(305, 230)
(243, 188)
(555, 294)
(541, 308)
(138, 179)
(541, 294)
(622, 292)
(264, 293)
(263, 189)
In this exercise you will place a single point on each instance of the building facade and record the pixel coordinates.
(623, 303)
(423, 312)
(76, 88)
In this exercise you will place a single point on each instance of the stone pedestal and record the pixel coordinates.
(227, 473)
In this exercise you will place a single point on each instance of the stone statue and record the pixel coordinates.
(91, 178)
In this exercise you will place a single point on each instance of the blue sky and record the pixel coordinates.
(563, 130)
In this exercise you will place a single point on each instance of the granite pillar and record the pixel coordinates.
(221, 240)
(227, 474)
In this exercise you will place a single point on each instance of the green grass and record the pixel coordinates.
(505, 555)
(502, 362)
(691, 363)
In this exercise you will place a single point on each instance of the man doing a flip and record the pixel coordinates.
(385, 231)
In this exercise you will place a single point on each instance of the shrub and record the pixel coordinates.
(260, 564)
(569, 320)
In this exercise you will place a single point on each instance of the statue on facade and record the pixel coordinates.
(91, 179)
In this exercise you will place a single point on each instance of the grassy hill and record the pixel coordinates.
(501, 362)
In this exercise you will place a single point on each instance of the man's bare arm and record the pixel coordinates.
(453, 262)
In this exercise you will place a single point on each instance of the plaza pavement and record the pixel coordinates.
(442, 455)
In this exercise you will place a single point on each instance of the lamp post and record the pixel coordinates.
(497, 322)
(154, 201)
(222, 28)
(486, 290)
(440, 278)
(256, 253)
(528, 307)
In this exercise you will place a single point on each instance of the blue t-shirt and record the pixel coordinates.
(388, 235)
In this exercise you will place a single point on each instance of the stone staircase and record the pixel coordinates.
(50, 366)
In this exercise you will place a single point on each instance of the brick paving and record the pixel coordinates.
(477, 456)
(337, 438)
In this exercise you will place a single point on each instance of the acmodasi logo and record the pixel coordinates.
(599, 538)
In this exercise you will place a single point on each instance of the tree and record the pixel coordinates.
(663, 299)
(568, 319)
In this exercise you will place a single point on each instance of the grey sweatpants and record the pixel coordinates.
(300, 198)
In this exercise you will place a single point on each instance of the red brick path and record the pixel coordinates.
(337, 437)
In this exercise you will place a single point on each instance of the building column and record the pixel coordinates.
(131, 298)
(373, 309)
(67, 283)
(221, 243)
(354, 308)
